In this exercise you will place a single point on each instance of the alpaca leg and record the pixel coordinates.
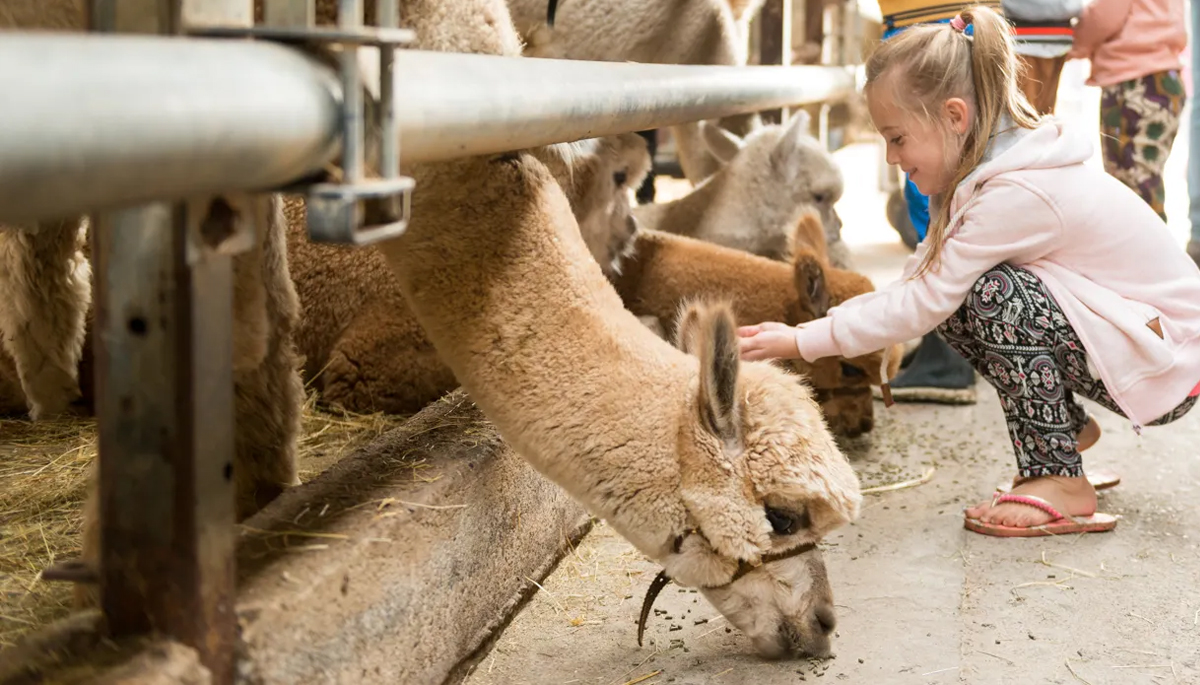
(384, 365)
(268, 390)
(46, 286)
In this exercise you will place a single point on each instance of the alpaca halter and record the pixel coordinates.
(660, 581)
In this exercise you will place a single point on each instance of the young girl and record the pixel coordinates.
(1051, 276)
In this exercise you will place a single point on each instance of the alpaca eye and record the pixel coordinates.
(849, 371)
(785, 523)
(820, 198)
(620, 177)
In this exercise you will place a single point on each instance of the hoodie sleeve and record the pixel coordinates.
(1100, 20)
(1008, 221)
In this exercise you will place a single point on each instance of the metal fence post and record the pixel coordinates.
(164, 381)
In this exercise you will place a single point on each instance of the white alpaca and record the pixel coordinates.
(768, 180)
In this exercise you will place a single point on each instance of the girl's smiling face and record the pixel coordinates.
(925, 148)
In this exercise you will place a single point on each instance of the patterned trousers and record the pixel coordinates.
(1138, 123)
(1017, 337)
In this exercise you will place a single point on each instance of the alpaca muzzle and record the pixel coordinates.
(662, 579)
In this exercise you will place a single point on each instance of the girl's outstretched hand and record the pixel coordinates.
(768, 340)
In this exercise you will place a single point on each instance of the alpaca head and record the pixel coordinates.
(760, 477)
(599, 177)
(842, 385)
(771, 176)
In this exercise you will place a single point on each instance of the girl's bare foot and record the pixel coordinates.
(1071, 496)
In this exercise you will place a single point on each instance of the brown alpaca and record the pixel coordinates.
(667, 270)
(363, 347)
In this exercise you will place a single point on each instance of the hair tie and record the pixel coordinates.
(958, 24)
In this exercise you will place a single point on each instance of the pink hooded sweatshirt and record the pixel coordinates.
(1105, 256)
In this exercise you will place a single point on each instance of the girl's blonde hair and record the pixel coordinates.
(936, 62)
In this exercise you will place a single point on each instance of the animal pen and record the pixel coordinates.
(124, 126)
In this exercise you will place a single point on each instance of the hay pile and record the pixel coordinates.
(44, 471)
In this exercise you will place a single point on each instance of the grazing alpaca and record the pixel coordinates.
(708, 465)
(667, 270)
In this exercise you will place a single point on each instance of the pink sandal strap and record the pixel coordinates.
(1031, 501)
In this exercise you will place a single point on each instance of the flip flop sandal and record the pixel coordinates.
(1061, 525)
(1100, 480)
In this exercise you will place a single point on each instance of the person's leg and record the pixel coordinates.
(1039, 81)
(1143, 118)
(1016, 336)
(1193, 167)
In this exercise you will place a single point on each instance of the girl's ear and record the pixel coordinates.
(957, 114)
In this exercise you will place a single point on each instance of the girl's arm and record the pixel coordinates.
(909, 309)
(1101, 20)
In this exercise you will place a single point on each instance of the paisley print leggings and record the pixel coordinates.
(1014, 333)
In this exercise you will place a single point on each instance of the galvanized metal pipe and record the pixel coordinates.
(455, 104)
(95, 122)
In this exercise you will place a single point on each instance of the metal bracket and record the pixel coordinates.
(338, 211)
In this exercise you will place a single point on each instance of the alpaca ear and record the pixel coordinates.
(789, 152)
(710, 481)
(723, 144)
(811, 288)
(716, 338)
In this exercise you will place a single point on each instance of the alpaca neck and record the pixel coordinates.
(662, 274)
(495, 269)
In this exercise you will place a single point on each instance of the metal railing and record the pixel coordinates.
(107, 121)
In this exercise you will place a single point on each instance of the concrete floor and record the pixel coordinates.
(920, 599)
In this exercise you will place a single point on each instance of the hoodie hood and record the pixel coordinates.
(1050, 145)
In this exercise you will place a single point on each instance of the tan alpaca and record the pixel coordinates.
(710, 32)
(45, 291)
(363, 347)
(754, 201)
(667, 270)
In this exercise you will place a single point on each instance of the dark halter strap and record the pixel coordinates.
(662, 579)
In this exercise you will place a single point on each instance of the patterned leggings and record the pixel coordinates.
(1138, 123)
(1014, 333)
